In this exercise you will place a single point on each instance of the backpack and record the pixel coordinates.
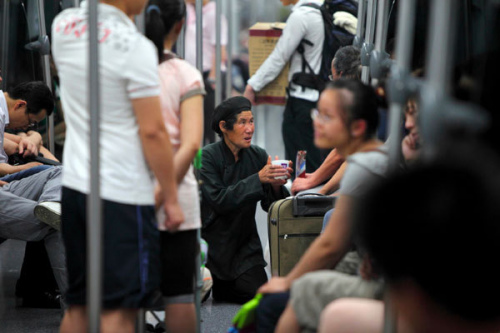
(335, 37)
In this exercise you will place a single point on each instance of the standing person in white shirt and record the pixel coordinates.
(304, 23)
(133, 140)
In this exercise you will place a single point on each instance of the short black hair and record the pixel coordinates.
(37, 95)
(364, 104)
(447, 243)
(347, 60)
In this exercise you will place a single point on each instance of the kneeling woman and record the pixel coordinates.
(236, 175)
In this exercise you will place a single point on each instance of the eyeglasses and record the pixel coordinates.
(323, 118)
(31, 123)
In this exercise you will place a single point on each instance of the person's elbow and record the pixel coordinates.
(191, 147)
(152, 132)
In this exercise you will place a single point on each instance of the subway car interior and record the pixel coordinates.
(442, 54)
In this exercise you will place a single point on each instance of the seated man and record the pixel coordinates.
(30, 211)
(20, 108)
(236, 175)
(346, 64)
(454, 221)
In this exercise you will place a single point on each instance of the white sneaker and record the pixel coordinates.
(50, 213)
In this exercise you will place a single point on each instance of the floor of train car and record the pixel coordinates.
(216, 317)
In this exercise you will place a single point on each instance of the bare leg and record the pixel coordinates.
(353, 315)
(288, 321)
(74, 320)
(118, 321)
(180, 318)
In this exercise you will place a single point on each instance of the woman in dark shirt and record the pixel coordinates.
(236, 175)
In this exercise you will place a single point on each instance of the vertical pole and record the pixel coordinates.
(140, 22)
(404, 52)
(229, 49)
(439, 60)
(218, 53)
(199, 35)
(199, 65)
(46, 73)
(94, 222)
(5, 43)
(382, 22)
(370, 27)
(181, 42)
(360, 29)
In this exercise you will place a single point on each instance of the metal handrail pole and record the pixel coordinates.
(379, 58)
(360, 29)
(382, 24)
(46, 74)
(199, 35)
(404, 52)
(181, 43)
(94, 220)
(368, 43)
(229, 49)
(439, 60)
(199, 65)
(218, 52)
(5, 43)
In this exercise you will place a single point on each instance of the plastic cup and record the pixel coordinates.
(283, 164)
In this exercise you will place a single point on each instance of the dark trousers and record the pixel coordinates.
(298, 133)
(240, 290)
(36, 275)
(270, 308)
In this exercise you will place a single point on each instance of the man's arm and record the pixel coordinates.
(27, 143)
(158, 152)
(326, 170)
(292, 35)
(7, 169)
(325, 252)
(36, 139)
(9, 146)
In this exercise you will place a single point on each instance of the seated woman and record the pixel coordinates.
(236, 175)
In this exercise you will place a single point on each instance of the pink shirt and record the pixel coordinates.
(208, 35)
(179, 81)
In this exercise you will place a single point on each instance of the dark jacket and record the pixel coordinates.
(230, 192)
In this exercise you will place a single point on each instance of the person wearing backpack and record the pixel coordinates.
(304, 23)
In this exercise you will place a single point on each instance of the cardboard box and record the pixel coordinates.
(262, 40)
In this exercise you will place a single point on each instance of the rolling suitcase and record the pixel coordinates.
(293, 224)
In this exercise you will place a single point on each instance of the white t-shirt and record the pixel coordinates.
(4, 121)
(303, 23)
(128, 70)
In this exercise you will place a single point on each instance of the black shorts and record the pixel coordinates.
(131, 254)
(178, 257)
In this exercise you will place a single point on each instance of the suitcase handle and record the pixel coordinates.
(310, 194)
